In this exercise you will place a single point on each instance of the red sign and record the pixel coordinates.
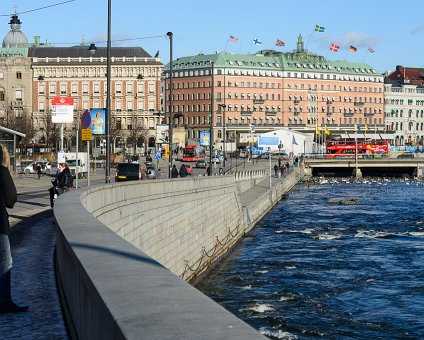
(62, 110)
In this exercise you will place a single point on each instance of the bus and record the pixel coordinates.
(366, 148)
(191, 153)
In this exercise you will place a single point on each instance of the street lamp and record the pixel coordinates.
(223, 106)
(92, 50)
(171, 103)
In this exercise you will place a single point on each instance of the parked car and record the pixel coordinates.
(151, 171)
(201, 163)
(128, 172)
(46, 168)
(406, 155)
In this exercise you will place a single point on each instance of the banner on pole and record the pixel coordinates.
(62, 110)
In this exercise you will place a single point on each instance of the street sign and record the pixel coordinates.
(86, 134)
(86, 119)
(157, 157)
(96, 152)
(158, 154)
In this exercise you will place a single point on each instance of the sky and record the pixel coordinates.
(393, 29)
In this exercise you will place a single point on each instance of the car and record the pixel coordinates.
(46, 168)
(406, 155)
(128, 172)
(151, 171)
(201, 163)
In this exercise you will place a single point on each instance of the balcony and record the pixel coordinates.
(270, 113)
(17, 103)
(296, 101)
(258, 101)
(358, 104)
(246, 112)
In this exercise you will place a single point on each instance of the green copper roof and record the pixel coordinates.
(273, 60)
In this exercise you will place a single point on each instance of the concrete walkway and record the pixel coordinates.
(33, 241)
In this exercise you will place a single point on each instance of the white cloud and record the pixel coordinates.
(357, 39)
(417, 30)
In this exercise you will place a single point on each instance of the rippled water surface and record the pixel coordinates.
(316, 269)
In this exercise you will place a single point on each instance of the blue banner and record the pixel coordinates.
(205, 137)
(268, 141)
(98, 121)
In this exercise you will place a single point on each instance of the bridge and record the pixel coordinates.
(365, 166)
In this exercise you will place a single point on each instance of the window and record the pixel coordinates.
(129, 106)
(52, 88)
(140, 88)
(130, 88)
(151, 88)
(96, 88)
(18, 95)
(1, 75)
(118, 88)
(40, 88)
(62, 88)
(18, 75)
(1, 96)
(118, 105)
(74, 88)
(84, 88)
(41, 107)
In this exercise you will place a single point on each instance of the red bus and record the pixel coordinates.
(191, 153)
(345, 148)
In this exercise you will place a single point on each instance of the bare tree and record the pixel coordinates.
(21, 121)
(51, 131)
(136, 132)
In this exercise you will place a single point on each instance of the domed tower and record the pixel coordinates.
(300, 47)
(15, 38)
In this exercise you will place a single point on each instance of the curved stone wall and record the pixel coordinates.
(113, 290)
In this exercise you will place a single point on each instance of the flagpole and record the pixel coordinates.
(310, 36)
(363, 59)
(225, 48)
(250, 47)
(346, 54)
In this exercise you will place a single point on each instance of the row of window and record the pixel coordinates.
(418, 102)
(399, 113)
(119, 105)
(119, 88)
(399, 126)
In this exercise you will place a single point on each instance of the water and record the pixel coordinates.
(315, 269)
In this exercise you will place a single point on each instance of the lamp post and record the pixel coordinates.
(223, 106)
(171, 104)
(33, 151)
(92, 50)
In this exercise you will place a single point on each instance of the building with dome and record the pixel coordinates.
(15, 78)
(15, 38)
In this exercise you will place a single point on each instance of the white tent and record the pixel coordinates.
(287, 141)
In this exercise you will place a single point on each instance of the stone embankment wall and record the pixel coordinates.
(118, 244)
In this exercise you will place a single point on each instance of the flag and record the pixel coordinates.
(280, 43)
(334, 47)
(366, 127)
(233, 39)
(257, 42)
(327, 131)
(317, 131)
(294, 141)
(371, 50)
(157, 54)
(319, 28)
(252, 128)
(352, 48)
(357, 128)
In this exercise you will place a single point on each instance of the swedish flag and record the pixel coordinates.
(319, 28)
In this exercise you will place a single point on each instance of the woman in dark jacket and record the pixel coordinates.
(61, 183)
(174, 172)
(8, 197)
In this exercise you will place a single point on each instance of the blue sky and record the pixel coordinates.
(395, 30)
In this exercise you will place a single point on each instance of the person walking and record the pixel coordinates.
(276, 170)
(174, 171)
(8, 198)
(38, 171)
(62, 182)
(183, 171)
